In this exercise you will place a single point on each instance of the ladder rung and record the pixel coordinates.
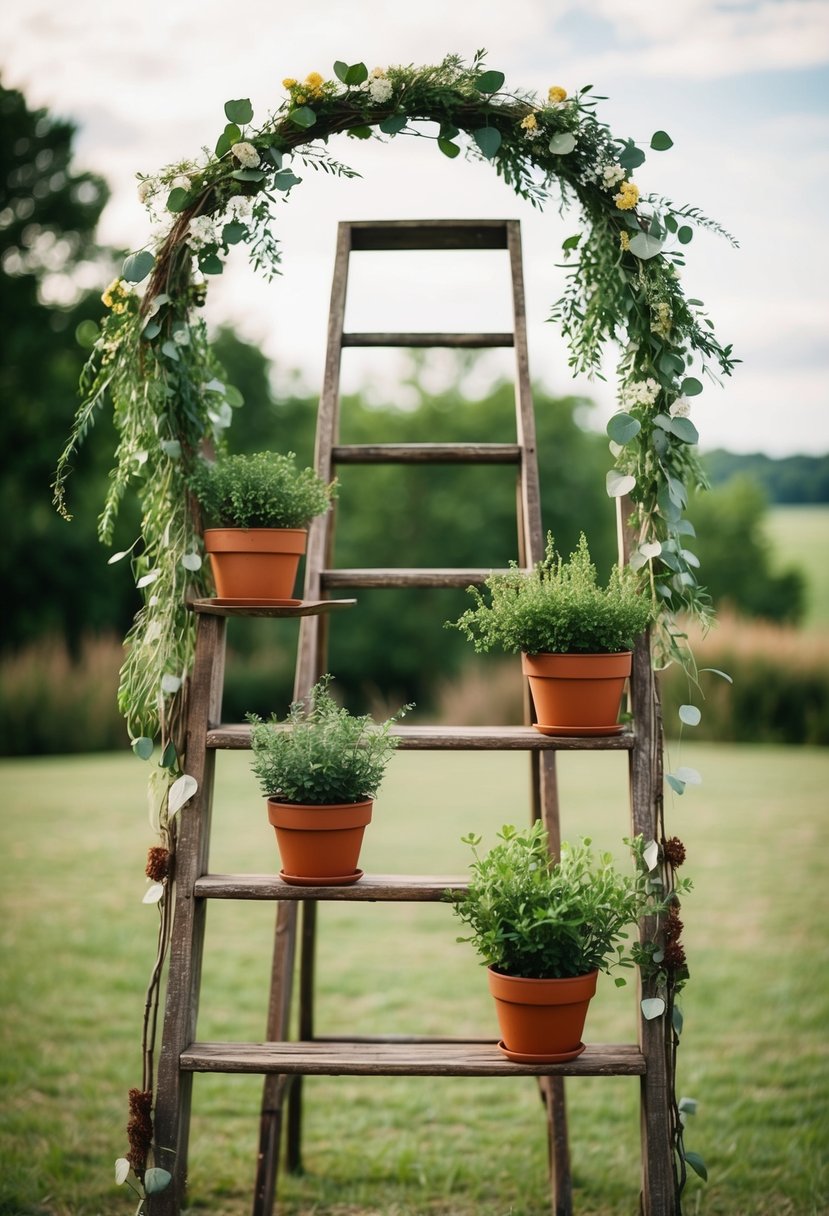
(402, 576)
(236, 737)
(383, 888)
(429, 234)
(427, 453)
(462, 341)
(428, 1058)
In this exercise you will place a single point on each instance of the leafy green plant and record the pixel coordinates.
(321, 753)
(557, 607)
(534, 918)
(263, 490)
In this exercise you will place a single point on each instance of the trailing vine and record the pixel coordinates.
(153, 366)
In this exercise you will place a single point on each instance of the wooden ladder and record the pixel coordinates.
(282, 1061)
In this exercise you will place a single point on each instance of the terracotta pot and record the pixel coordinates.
(319, 844)
(255, 563)
(577, 694)
(541, 1021)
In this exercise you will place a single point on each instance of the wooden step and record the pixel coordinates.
(478, 341)
(402, 1057)
(428, 234)
(285, 608)
(380, 888)
(427, 453)
(403, 576)
(236, 737)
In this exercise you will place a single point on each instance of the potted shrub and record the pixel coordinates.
(575, 636)
(259, 507)
(320, 770)
(545, 929)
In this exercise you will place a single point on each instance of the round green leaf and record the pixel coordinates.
(143, 747)
(697, 1165)
(393, 124)
(137, 266)
(234, 232)
(248, 175)
(690, 715)
(685, 430)
(652, 1007)
(122, 1169)
(618, 484)
(285, 179)
(177, 200)
(361, 132)
(689, 775)
(675, 783)
(631, 157)
(488, 140)
(356, 74)
(210, 263)
(448, 148)
(684, 236)
(562, 143)
(646, 246)
(340, 70)
(151, 330)
(661, 141)
(230, 136)
(671, 364)
(239, 111)
(156, 1180)
(622, 427)
(489, 82)
(303, 116)
(690, 387)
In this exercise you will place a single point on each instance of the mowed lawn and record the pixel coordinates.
(76, 945)
(800, 538)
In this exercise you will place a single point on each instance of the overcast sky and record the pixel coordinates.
(741, 86)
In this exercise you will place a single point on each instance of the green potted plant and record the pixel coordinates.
(320, 770)
(575, 637)
(545, 929)
(260, 506)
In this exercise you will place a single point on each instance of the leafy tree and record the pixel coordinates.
(736, 555)
(54, 577)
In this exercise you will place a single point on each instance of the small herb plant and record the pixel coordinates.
(321, 753)
(533, 918)
(263, 490)
(557, 607)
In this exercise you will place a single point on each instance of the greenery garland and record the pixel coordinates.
(153, 364)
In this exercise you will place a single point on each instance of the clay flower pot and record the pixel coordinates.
(319, 845)
(577, 694)
(255, 563)
(541, 1021)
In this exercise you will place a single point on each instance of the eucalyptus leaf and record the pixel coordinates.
(248, 175)
(677, 1019)
(146, 579)
(191, 561)
(448, 148)
(230, 136)
(690, 715)
(137, 266)
(360, 132)
(177, 200)
(685, 236)
(119, 556)
(303, 116)
(644, 245)
(562, 143)
(652, 1007)
(715, 671)
(623, 427)
(234, 232)
(143, 747)
(170, 349)
(151, 330)
(688, 1106)
(286, 179)
(209, 263)
(153, 893)
(181, 792)
(691, 387)
(488, 140)
(169, 759)
(490, 82)
(275, 156)
(689, 775)
(156, 1180)
(170, 684)
(572, 241)
(685, 430)
(674, 782)
(669, 363)
(122, 1169)
(619, 484)
(393, 124)
(697, 1165)
(356, 74)
(651, 548)
(239, 111)
(630, 156)
(661, 141)
(650, 855)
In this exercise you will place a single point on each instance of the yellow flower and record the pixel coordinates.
(624, 241)
(529, 123)
(300, 99)
(556, 93)
(114, 296)
(628, 196)
(288, 82)
(314, 80)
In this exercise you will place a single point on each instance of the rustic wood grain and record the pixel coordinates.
(236, 737)
(302, 609)
(427, 453)
(372, 888)
(458, 341)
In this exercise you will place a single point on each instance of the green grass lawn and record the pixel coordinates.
(77, 944)
(800, 537)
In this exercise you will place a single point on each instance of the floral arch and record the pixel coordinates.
(153, 363)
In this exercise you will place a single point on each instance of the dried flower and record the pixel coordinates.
(140, 1129)
(673, 850)
(673, 925)
(158, 863)
(628, 196)
(675, 956)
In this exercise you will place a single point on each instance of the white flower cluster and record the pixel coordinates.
(610, 175)
(181, 182)
(240, 207)
(640, 392)
(246, 155)
(203, 230)
(681, 408)
(379, 86)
